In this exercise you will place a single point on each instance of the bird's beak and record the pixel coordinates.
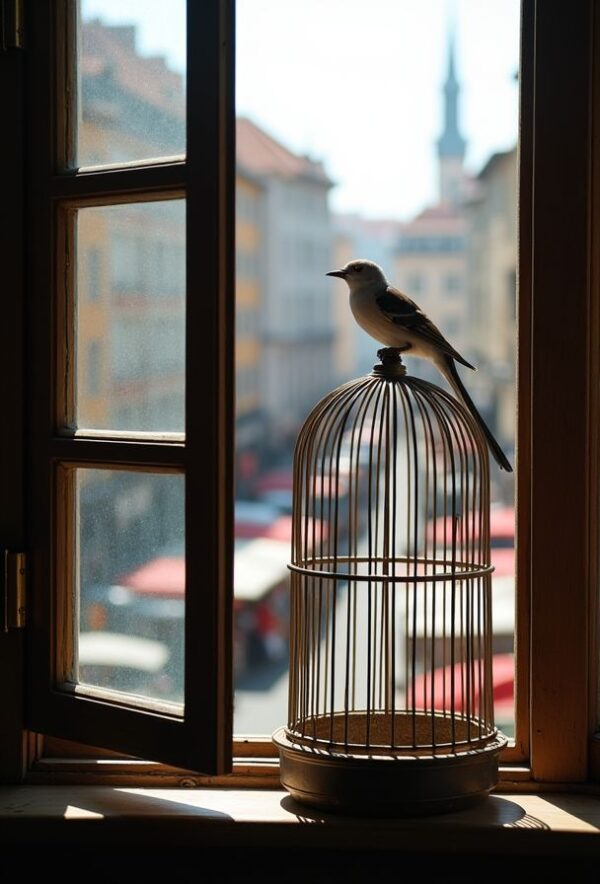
(339, 273)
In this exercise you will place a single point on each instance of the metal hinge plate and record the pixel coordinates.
(15, 588)
(11, 24)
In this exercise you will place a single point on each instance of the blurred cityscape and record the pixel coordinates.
(295, 340)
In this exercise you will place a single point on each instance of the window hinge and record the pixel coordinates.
(11, 24)
(14, 590)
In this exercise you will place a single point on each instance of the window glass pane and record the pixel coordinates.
(131, 317)
(130, 582)
(407, 158)
(131, 80)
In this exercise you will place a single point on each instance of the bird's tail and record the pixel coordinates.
(450, 372)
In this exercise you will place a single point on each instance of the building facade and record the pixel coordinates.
(249, 292)
(296, 317)
(492, 295)
(431, 268)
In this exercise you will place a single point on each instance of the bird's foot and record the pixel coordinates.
(388, 354)
(391, 366)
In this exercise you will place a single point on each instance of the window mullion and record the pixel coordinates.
(139, 180)
(117, 452)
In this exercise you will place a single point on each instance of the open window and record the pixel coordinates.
(129, 385)
(94, 230)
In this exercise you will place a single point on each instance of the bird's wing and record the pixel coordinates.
(399, 309)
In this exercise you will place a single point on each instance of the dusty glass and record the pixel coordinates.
(130, 325)
(131, 81)
(130, 582)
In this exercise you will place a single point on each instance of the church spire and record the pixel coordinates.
(451, 144)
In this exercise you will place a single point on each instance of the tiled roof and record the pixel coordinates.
(263, 155)
(379, 227)
(440, 218)
(440, 212)
(495, 159)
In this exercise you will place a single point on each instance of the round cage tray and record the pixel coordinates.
(350, 779)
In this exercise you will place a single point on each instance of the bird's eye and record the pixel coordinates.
(357, 268)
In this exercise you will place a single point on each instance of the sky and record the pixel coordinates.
(358, 84)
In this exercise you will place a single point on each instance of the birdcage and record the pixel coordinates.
(390, 688)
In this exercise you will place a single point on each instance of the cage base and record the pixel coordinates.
(387, 785)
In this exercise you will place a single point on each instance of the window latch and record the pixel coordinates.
(14, 591)
(11, 24)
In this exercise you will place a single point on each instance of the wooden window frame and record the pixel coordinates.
(558, 472)
(563, 405)
(201, 736)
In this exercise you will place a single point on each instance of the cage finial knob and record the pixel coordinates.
(391, 363)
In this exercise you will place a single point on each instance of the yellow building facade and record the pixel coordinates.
(249, 233)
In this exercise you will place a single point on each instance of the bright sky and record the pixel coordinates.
(358, 83)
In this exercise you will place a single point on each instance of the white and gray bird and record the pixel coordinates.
(395, 321)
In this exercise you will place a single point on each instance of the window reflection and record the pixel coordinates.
(131, 81)
(132, 268)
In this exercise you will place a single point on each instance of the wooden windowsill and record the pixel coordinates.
(545, 824)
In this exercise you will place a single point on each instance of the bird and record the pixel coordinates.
(394, 320)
